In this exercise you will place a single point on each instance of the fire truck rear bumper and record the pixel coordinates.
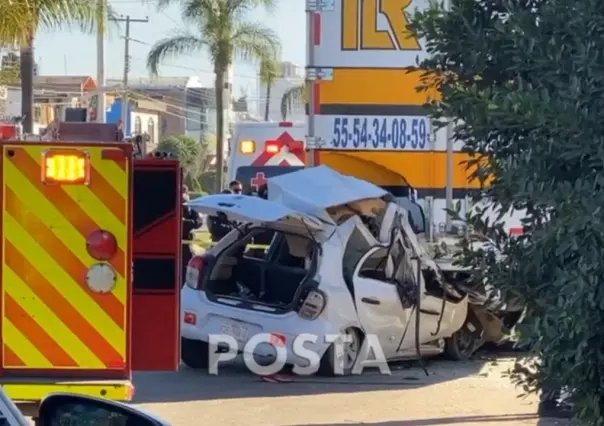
(36, 389)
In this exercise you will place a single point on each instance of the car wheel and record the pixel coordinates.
(194, 353)
(462, 345)
(336, 361)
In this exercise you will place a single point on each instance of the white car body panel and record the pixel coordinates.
(255, 210)
(292, 200)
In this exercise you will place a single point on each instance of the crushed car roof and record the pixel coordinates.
(313, 190)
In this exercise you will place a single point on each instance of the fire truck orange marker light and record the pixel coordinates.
(65, 167)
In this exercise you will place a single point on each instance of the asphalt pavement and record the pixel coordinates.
(454, 393)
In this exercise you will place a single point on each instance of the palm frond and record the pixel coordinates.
(68, 14)
(20, 20)
(240, 7)
(13, 23)
(171, 47)
(254, 41)
(293, 96)
(203, 14)
(269, 71)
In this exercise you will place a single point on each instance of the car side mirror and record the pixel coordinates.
(71, 409)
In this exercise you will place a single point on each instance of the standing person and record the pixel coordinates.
(236, 187)
(190, 221)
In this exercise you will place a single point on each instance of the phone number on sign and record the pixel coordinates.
(383, 133)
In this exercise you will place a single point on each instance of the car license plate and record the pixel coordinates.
(239, 332)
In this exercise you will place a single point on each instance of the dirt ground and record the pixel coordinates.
(472, 393)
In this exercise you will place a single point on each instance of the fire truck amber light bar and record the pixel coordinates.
(65, 167)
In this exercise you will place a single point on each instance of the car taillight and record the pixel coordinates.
(101, 244)
(313, 305)
(194, 272)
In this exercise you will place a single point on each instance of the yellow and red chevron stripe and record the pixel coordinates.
(50, 318)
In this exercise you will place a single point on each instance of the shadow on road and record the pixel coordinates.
(504, 418)
(235, 381)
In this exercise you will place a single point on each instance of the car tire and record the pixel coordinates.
(194, 353)
(329, 367)
(463, 344)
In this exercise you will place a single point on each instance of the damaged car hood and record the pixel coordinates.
(313, 190)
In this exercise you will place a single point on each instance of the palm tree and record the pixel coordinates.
(296, 95)
(268, 74)
(223, 29)
(21, 20)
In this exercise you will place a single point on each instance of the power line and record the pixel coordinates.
(128, 20)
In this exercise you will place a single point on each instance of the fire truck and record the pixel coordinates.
(90, 276)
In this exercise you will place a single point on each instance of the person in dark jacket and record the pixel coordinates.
(219, 225)
(190, 221)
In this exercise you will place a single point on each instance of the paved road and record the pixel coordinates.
(473, 393)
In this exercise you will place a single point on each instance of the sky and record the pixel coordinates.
(74, 53)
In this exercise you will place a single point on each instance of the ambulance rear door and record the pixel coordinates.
(66, 259)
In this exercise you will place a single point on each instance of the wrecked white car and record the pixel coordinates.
(342, 259)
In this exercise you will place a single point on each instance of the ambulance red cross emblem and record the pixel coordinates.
(290, 152)
(258, 181)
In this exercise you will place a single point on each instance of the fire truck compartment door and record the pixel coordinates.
(62, 308)
(157, 265)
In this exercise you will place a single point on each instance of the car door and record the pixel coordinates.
(378, 302)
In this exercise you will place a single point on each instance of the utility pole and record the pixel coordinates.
(128, 20)
(100, 60)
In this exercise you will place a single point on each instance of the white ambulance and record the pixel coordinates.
(259, 150)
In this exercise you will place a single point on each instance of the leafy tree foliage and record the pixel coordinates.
(186, 149)
(524, 82)
(225, 29)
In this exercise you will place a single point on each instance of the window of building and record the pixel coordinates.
(151, 130)
(138, 126)
(37, 114)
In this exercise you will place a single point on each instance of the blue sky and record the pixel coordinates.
(73, 53)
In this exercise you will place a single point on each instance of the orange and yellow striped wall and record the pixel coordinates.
(51, 319)
(389, 92)
(382, 91)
